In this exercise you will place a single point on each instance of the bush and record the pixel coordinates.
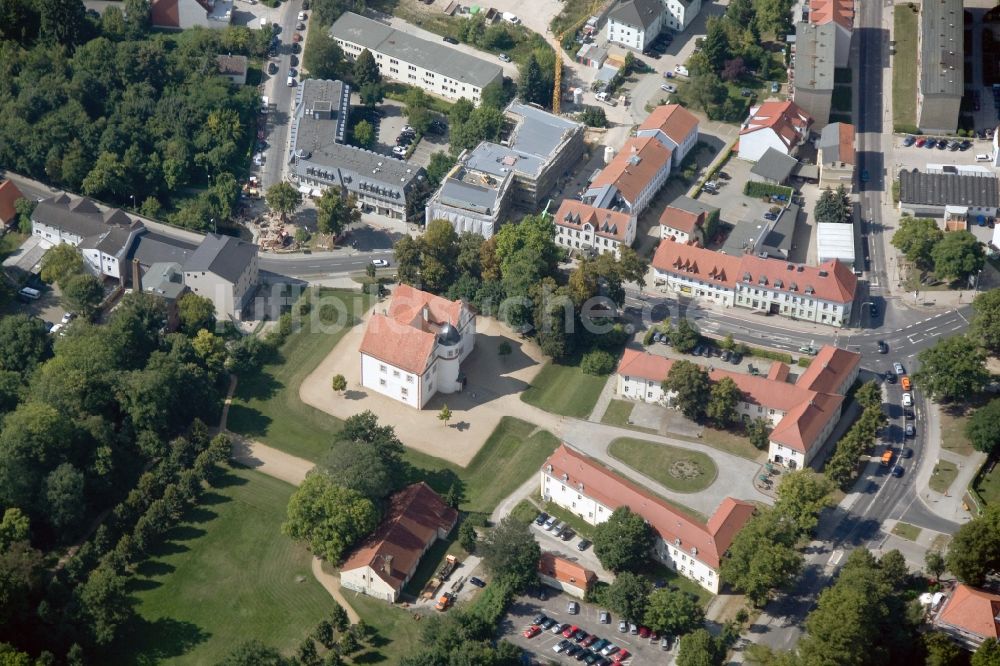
(755, 189)
(804, 362)
(767, 353)
(593, 116)
(598, 363)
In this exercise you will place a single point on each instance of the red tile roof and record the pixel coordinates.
(413, 520)
(787, 120)
(831, 281)
(635, 166)
(838, 11)
(673, 120)
(402, 338)
(566, 571)
(974, 611)
(828, 369)
(846, 143)
(709, 541)
(165, 13)
(682, 220)
(607, 223)
(8, 195)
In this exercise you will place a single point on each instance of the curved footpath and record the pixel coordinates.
(290, 469)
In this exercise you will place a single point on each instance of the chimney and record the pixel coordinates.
(136, 279)
(387, 565)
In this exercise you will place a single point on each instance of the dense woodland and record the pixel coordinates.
(103, 107)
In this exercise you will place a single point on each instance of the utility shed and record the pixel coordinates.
(835, 241)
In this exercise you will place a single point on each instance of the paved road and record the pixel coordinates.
(282, 96)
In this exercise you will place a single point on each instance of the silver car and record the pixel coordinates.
(898, 368)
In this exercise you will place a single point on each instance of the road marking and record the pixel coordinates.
(957, 328)
(930, 329)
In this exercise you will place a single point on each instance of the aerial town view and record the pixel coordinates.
(500, 333)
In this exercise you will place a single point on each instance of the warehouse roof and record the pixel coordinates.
(948, 189)
(942, 48)
(835, 241)
(815, 55)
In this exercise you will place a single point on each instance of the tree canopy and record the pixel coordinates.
(985, 324)
(954, 368)
(511, 551)
(623, 541)
(983, 427)
(958, 255)
(673, 612)
(328, 517)
(916, 237)
(628, 596)
(692, 386)
(974, 551)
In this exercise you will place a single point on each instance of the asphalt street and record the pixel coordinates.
(282, 96)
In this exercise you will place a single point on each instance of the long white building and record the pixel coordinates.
(693, 549)
(415, 348)
(432, 66)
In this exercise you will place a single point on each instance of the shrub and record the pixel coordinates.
(767, 353)
(756, 189)
(597, 362)
(804, 362)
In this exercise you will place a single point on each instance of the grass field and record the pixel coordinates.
(724, 440)
(906, 531)
(943, 475)
(267, 406)
(565, 390)
(953, 433)
(398, 632)
(904, 67)
(989, 484)
(618, 413)
(225, 575)
(678, 469)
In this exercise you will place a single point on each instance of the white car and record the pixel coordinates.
(302, 16)
(380, 263)
(666, 87)
(681, 69)
(504, 57)
(67, 318)
(399, 151)
(898, 367)
(55, 329)
(907, 400)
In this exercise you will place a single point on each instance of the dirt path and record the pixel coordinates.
(290, 469)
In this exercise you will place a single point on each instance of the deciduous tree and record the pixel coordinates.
(334, 213)
(988, 653)
(60, 263)
(338, 383)
(24, 342)
(692, 386)
(328, 517)
(510, 550)
(366, 69)
(953, 369)
(283, 198)
(700, 648)
(673, 612)
(983, 427)
(724, 397)
(628, 596)
(916, 238)
(83, 293)
(685, 336)
(985, 326)
(195, 313)
(974, 552)
(623, 541)
(762, 557)
(253, 653)
(802, 495)
(957, 256)
(323, 57)
(759, 433)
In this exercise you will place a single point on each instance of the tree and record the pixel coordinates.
(988, 653)
(954, 368)
(334, 213)
(985, 325)
(20, 577)
(692, 388)
(700, 648)
(723, 399)
(440, 164)
(64, 496)
(974, 552)
(406, 252)
(983, 427)
(802, 494)
(363, 133)
(14, 527)
(283, 198)
(371, 94)
(307, 654)
(104, 600)
(63, 21)
(598, 363)
(531, 84)
(833, 206)
(759, 433)
(365, 428)
(957, 256)
(593, 116)
(628, 596)
(673, 612)
(322, 58)
(762, 557)
(60, 263)
(338, 383)
(685, 336)
(734, 69)
(444, 414)
(83, 293)
(24, 342)
(916, 238)
(328, 517)
(366, 69)
(24, 207)
(705, 90)
(623, 541)
(510, 550)
(195, 313)
(934, 564)
(253, 653)
(339, 618)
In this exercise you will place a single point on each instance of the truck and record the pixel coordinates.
(887, 457)
(450, 562)
(445, 601)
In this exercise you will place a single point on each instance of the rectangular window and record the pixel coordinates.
(382, 368)
(404, 392)
(409, 379)
(381, 382)
(395, 373)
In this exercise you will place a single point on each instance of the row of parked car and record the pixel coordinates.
(940, 144)
(559, 529)
(577, 643)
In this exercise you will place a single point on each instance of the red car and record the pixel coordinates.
(532, 631)
(589, 640)
(569, 632)
(621, 656)
(643, 632)
(920, 142)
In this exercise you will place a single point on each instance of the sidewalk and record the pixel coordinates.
(603, 400)
(947, 505)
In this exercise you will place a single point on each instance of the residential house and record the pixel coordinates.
(693, 549)
(682, 226)
(223, 269)
(635, 23)
(836, 156)
(941, 58)
(812, 83)
(594, 230)
(801, 415)
(958, 192)
(822, 294)
(840, 13)
(632, 178)
(970, 616)
(105, 253)
(386, 561)
(233, 67)
(779, 125)
(9, 194)
(565, 575)
(432, 66)
(774, 167)
(675, 127)
(184, 14)
(680, 13)
(415, 348)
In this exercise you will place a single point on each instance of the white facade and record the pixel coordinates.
(678, 150)
(51, 236)
(805, 306)
(692, 287)
(679, 15)
(230, 298)
(587, 238)
(648, 390)
(102, 263)
(634, 37)
(366, 581)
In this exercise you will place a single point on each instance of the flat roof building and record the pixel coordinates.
(431, 66)
(835, 241)
(941, 56)
(815, 60)
(320, 158)
(472, 200)
(928, 193)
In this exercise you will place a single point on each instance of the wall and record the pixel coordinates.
(816, 103)
(53, 235)
(364, 580)
(390, 381)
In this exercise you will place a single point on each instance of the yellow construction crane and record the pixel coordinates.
(557, 79)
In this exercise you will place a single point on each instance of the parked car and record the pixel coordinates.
(558, 527)
(897, 471)
(665, 643)
(898, 368)
(905, 382)
(478, 582)
(548, 624)
(770, 216)
(667, 87)
(567, 535)
(605, 617)
(736, 358)
(504, 57)
(644, 632)
(561, 646)
(579, 635)
(622, 626)
(682, 70)
(399, 151)
(572, 650)
(542, 517)
(906, 452)
(573, 608)
(633, 629)
(890, 377)
(539, 619)
(589, 640)
(380, 263)
(569, 631)
(775, 86)
(621, 656)
(909, 140)
(302, 16)
(272, 68)
(450, 40)
(600, 644)
(907, 400)
(558, 628)
(920, 142)
(910, 430)
(300, 26)
(532, 631)
(609, 649)
(583, 545)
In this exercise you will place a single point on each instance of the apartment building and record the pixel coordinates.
(814, 64)
(635, 23)
(836, 156)
(630, 180)
(432, 66)
(941, 55)
(673, 126)
(839, 13)
(593, 230)
(472, 200)
(779, 125)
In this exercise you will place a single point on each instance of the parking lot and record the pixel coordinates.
(524, 609)
(388, 123)
(569, 549)
(912, 157)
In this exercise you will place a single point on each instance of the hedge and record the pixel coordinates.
(804, 362)
(767, 353)
(756, 189)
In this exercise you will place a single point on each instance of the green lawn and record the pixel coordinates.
(565, 390)
(267, 406)
(904, 67)
(953, 433)
(618, 413)
(525, 511)
(224, 575)
(943, 475)
(989, 484)
(907, 531)
(579, 525)
(678, 469)
(398, 631)
(10, 241)
(725, 440)
(655, 571)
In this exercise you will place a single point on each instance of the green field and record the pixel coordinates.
(953, 432)
(679, 470)
(565, 390)
(943, 476)
(224, 575)
(618, 412)
(267, 406)
(989, 484)
(904, 67)
(907, 531)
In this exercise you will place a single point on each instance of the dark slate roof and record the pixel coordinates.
(774, 165)
(164, 279)
(225, 256)
(948, 189)
(112, 241)
(151, 248)
(638, 13)
(778, 242)
(78, 216)
(232, 65)
(942, 48)
(693, 205)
